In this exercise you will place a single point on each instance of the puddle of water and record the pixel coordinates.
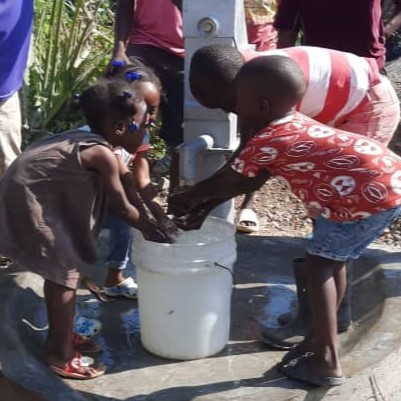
(131, 325)
(281, 299)
(38, 323)
(131, 322)
(89, 308)
(105, 356)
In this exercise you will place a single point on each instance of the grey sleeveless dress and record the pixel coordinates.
(51, 208)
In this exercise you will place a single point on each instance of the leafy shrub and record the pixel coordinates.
(72, 43)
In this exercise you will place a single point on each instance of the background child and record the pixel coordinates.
(146, 83)
(362, 30)
(259, 17)
(352, 182)
(117, 284)
(151, 31)
(61, 185)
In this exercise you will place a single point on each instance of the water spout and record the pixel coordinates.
(190, 168)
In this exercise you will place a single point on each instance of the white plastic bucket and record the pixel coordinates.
(184, 295)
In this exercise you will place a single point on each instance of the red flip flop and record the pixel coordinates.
(80, 368)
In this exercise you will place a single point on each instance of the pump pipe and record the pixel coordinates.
(189, 155)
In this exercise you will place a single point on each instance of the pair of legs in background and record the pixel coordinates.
(10, 140)
(118, 259)
(10, 131)
(116, 283)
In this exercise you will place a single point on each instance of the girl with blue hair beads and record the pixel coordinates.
(63, 185)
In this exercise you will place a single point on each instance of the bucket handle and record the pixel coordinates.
(231, 273)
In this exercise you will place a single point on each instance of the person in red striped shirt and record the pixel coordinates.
(343, 90)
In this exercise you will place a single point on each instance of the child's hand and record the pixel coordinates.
(169, 226)
(181, 202)
(192, 221)
(154, 232)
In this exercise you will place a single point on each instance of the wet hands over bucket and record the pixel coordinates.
(170, 227)
(189, 214)
(193, 220)
(158, 232)
(181, 202)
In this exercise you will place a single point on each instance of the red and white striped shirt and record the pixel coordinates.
(337, 82)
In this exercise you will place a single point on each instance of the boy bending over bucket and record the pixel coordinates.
(351, 183)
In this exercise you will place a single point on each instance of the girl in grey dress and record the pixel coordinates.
(52, 202)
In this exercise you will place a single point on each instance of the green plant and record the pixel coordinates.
(72, 44)
(158, 149)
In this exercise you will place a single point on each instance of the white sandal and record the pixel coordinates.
(126, 289)
(247, 216)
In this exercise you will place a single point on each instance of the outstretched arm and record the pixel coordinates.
(129, 186)
(124, 20)
(103, 160)
(145, 187)
(223, 185)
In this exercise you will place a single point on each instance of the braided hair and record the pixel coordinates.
(134, 73)
(107, 101)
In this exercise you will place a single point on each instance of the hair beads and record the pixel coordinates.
(127, 95)
(118, 63)
(132, 76)
(133, 126)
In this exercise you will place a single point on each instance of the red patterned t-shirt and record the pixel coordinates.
(344, 176)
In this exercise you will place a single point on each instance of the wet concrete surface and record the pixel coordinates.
(245, 370)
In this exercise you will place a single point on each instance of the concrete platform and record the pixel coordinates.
(245, 370)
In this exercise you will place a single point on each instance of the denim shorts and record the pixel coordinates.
(120, 241)
(339, 240)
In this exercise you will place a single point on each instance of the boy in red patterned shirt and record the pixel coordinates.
(351, 183)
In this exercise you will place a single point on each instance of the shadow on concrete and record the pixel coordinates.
(244, 370)
(186, 393)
